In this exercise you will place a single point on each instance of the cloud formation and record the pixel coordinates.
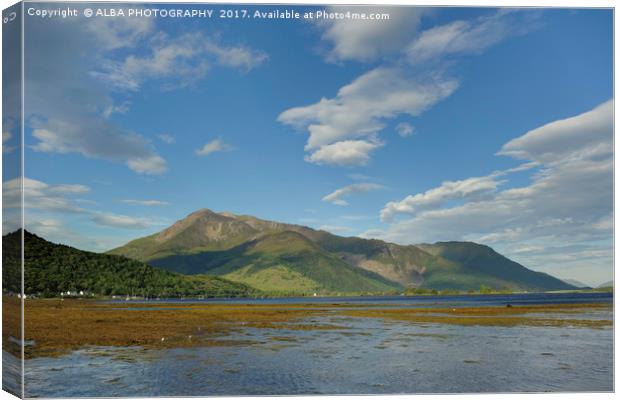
(469, 36)
(7, 126)
(43, 202)
(96, 138)
(214, 146)
(571, 137)
(40, 195)
(119, 221)
(337, 196)
(368, 40)
(345, 153)
(180, 61)
(568, 202)
(119, 33)
(114, 53)
(344, 130)
(466, 189)
(76, 119)
(404, 129)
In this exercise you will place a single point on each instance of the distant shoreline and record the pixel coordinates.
(426, 293)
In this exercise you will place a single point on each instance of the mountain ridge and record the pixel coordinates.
(221, 244)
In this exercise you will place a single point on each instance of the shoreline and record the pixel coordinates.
(306, 297)
(55, 327)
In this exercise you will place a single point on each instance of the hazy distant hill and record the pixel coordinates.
(606, 284)
(276, 256)
(576, 283)
(51, 268)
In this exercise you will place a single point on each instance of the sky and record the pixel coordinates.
(477, 124)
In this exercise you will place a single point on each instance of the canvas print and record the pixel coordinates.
(244, 199)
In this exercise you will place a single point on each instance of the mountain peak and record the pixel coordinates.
(253, 250)
(201, 212)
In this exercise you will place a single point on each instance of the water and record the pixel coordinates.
(367, 356)
(400, 301)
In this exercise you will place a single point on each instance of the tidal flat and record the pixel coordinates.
(89, 348)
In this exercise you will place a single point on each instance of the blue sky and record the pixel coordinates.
(440, 124)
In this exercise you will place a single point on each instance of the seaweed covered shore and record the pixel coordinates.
(56, 327)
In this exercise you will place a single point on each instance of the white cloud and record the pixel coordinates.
(69, 189)
(78, 123)
(40, 195)
(235, 56)
(6, 136)
(46, 227)
(181, 61)
(407, 84)
(168, 139)
(151, 165)
(88, 59)
(43, 202)
(145, 202)
(119, 221)
(336, 197)
(344, 153)
(56, 231)
(569, 200)
(98, 139)
(7, 126)
(470, 36)
(368, 40)
(214, 146)
(358, 112)
(118, 33)
(465, 189)
(404, 129)
(568, 137)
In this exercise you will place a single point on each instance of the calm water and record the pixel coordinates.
(400, 301)
(369, 356)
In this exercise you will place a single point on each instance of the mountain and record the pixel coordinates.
(281, 261)
(276, 256)
(482, 262)
(606, 284)
(577, 283)
(53, 268)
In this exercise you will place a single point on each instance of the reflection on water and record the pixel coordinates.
(366, 355)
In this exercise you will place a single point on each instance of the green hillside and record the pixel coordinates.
(285, 257)
(52, 268)
(482, 261)
(284, 261)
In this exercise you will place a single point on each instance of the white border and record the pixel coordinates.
(452, 3)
